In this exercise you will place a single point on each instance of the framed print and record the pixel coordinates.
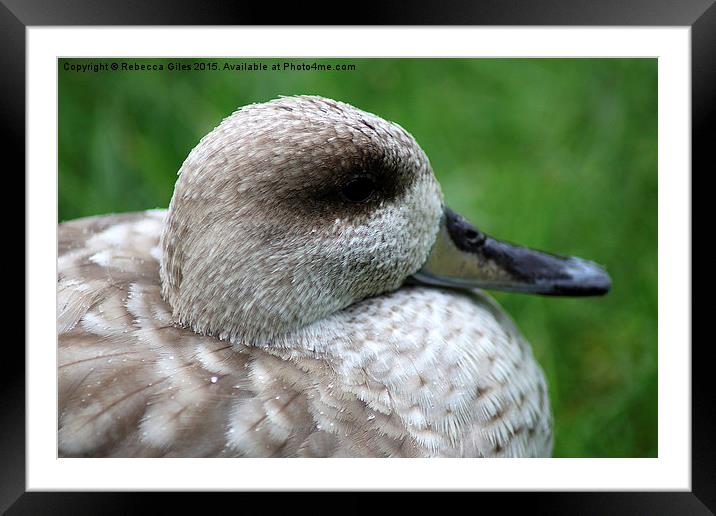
(301, 287)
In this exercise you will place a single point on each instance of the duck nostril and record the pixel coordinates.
(472, 235)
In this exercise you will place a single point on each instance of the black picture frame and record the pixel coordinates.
(700, 15)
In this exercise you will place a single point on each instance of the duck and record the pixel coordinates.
(307, 293)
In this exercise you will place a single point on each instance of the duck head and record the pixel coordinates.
(291, 210)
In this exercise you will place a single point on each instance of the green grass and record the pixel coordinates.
(557, 154)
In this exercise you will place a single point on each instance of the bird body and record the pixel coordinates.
(262, 315)
(414, 373)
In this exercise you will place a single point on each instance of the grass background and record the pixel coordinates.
(557, 154)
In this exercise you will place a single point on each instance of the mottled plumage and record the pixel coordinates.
(258, 318)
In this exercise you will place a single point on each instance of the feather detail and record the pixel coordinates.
(132, 383)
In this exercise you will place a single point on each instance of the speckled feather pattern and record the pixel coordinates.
(415, 373)
(264, 315)
(254, 247)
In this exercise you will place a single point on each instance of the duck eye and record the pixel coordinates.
(360, 189)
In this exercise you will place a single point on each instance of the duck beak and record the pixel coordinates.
(464, 257)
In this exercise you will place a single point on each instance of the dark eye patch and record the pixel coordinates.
(341, 190)
(359, 189)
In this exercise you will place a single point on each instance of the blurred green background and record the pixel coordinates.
(557, 154)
